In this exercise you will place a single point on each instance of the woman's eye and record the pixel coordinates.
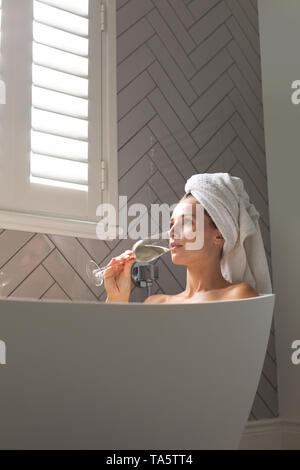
(185, 222)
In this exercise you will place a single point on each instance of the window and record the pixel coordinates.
(58, 157)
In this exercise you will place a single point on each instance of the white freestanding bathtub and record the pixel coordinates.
(129, 376)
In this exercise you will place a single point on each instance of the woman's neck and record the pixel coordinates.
(202, 278)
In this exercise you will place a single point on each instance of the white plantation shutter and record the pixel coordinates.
(59, 118)
(58, 112)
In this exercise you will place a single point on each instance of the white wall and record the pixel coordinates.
(280, 48)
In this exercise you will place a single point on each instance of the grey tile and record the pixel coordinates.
(136, 177)
(168, 169)
(67, 278)
(139, 294)
(252, 14)
(266, 390)
(247, 94)
(103, 296)
(144, 195)
(160, 217)
(260, 409)
(244, 23)
(134, 65)
(25, 261)
(182, 12)
(213, 122)
(148, 217)
(250, 166)
(167, 281)
(269, 369)
(121, 3)
(34, 285)
(254, 4)
(175, 25)
(171, 43)
(179, 271)
(171, 147)
(163, 190)
(155, 288)
(249, 142)
(55, 293)
(131, 12)
(135, 149)
(214, 95)
(224, 162)
(77, 256)
(209, 48)
(132, 94)
(170, 118)
(209, 23)
(199, 9)
(133, 38)
(11, 241)
(134, 121)
(97, 249)
(172, 96)
(240, 38)
(211, 71)
(172, 70)
(246, 69)
(218, 144)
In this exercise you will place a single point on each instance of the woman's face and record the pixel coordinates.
(182, 226)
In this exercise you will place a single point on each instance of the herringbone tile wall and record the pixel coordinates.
(189, 101)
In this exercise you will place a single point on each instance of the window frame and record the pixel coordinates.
(106, 190)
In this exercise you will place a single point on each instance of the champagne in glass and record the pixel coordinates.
(146, 250)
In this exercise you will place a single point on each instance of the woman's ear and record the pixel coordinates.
(219, 238)
(219, 235)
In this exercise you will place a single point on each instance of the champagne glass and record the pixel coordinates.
(144, 250)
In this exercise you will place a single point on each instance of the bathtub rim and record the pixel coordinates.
(98, 302)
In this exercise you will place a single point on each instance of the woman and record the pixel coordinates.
(204, 280)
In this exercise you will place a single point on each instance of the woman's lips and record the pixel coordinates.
(174, 246)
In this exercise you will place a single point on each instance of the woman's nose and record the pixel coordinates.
(175, 233)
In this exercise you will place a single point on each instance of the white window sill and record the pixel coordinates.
(48, 225)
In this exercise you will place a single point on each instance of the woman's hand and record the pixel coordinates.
(117, 277)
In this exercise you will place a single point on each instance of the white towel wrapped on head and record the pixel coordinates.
(226, 201)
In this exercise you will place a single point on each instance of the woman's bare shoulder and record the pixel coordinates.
(234, 291)
(241, 291)
(156, 299)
